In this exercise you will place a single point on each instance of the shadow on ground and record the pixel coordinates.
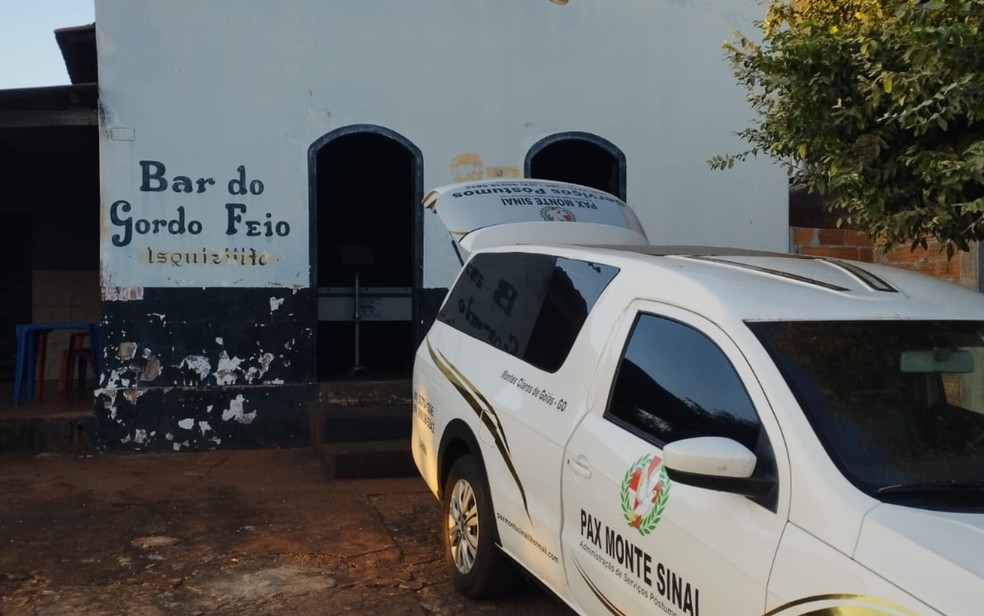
(228, 532)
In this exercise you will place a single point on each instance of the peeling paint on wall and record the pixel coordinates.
(468, 167)
(200, 365)
(225, 374)
(256, 373)
(132, 395)
(127, 351)
(235, 411)
(121, 294)
(195, 369)
(501, 172)
(152, 370)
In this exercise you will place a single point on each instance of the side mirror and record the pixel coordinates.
(715, 463)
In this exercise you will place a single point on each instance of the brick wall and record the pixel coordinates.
(852, 245)
(837, 243)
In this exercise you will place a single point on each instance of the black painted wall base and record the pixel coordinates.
(199, 419)
(197, 369)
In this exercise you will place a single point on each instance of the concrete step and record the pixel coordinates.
(368, 459)
(54, 421)
(33, 435)
(364, 423)
(365, 392)
(361, 429)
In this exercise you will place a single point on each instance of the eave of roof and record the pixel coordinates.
(74, 105)
(78, 48)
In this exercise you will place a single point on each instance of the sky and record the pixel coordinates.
(29, 55)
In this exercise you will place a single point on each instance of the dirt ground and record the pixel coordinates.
(228, 532)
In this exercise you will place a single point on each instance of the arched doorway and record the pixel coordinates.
(366, 188)
(580, 158)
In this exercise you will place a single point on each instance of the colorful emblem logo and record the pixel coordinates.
(645, 490)
(558, 214)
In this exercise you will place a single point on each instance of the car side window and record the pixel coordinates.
(529, 305)
(673, 383)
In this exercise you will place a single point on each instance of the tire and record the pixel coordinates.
(478, 567)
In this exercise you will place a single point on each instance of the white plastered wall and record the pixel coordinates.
(206, 87)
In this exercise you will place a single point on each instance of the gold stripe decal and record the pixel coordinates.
(482, 399)
(485, 412)
(840, 605)
(597, 592)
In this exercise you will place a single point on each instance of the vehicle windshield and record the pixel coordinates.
(898, 405)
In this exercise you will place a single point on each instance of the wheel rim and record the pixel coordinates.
(463, 526)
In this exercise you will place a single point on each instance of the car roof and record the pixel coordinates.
(752, 285)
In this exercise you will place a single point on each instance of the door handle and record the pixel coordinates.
(580, 466)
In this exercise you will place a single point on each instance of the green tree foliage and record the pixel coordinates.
(877, 104)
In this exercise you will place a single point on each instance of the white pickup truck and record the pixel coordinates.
(697, 431)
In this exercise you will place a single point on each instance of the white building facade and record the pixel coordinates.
(257, 155)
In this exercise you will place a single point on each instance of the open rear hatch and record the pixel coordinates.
(505, 212)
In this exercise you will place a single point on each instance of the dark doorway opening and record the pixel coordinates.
(49, 238)
(367, 191)
(579, 158)
(15, 285)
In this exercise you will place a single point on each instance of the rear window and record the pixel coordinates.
(531, 306)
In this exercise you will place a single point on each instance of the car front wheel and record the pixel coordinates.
(478, 568)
